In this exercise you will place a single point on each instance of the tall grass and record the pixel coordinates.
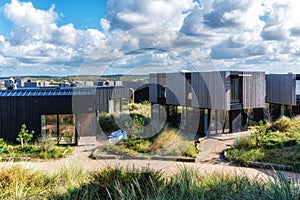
(131, 183)
(277, 142)
(21, 183)
(167, 143)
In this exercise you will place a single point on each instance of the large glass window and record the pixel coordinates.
(60, 128)
(236, 89)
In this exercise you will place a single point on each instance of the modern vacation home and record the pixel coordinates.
(200, 103)
(206, 102)
(67, 114)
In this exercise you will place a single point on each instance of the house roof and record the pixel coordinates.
(48, 92)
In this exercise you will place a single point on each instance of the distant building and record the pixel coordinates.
(35, 84)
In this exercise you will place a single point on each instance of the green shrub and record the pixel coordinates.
(138, 145)
(24, 136)
(191, 151)
(244, 142)
(242, 155)
(283, 124)
(107, 123)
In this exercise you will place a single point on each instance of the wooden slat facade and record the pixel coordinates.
(176, 93)
(18, 110)
(209, 88)
(15, 111)
(281, 89)
(254, 91)
(153, 90)
(224, 94)
(104, 94)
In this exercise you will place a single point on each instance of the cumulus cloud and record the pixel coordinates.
(238, 33)
(37, 40)
(130, 14)
(248, 34)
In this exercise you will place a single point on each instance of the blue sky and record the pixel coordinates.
(82, 13)
(65, 37)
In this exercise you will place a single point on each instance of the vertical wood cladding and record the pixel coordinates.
(210, 90)
(281, 89)
(153, 90)
(15, 111)
(104, 94)
(253, 90)
(26, 107)
(176, 89)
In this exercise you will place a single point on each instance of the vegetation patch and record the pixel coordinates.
(32, 151)
(44, 148)
(145, 183)
(277, 143)
(169, 142)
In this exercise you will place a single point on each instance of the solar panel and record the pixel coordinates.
(46, 92)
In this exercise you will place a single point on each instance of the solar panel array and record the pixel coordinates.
(48, 92)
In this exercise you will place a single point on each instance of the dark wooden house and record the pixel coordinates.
(208, 102)
(67, 114)
(282, 94)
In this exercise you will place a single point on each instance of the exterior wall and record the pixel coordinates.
(253, 90)
(281, 89)
(209, 88)
(153, 90)
(86, 125)
(212, 91)
(238, 121)
(176, 93)
(104, 94)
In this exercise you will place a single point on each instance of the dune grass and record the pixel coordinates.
(169, 142)
(145, 183)
(277, 143)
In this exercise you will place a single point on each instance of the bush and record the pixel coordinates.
(283, 124)
(244, 142)
(24, 136)
(138, 145)
(107, 123)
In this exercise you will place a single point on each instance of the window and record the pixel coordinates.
(60, 128)
(236, 89)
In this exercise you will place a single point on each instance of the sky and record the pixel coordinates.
(69, 37)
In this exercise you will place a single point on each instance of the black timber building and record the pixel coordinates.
(206, 102)
(58, 110)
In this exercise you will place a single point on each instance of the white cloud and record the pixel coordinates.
(37, 40)
(237, 32)
(248, 34)
(130, 14)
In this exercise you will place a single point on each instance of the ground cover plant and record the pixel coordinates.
(43, 148)
(277, 143)
(145, 183)
(33, 151)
